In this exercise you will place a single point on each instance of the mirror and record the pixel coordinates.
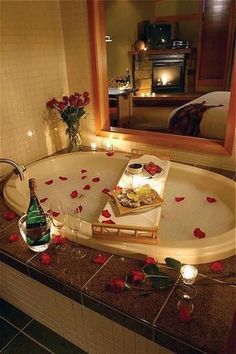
(106, 127)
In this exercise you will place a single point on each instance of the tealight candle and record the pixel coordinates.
(108, 146)
(188, 273)
(153, 94)
(93, 146)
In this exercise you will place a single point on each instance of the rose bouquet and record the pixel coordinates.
(71, 110)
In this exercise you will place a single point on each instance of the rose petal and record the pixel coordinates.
(108, 222)
(43, 200)
(87, 187)
(50, 181)
(79, 209)
(55, 213)
(63, 178)
(83, 171)
(150, 260)
(179, 199)
(110, 153)
(106, 213)
(184, 314)
(211, 199)
(83, 177)
(58, 240)
(216, 266)
(13, 237)
(74, 194)
(100, 259)
(9, 215)
(198, 233)
(96, 179)
(117, 188)
(45, 258)
(105, 190)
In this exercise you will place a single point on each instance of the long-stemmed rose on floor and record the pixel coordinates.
(71, 110)
(151, 271)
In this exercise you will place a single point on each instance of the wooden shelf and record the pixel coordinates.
(162, 51)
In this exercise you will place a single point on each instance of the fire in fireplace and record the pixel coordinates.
(168, 73)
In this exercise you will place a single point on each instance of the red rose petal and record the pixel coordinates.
(198, 233)
(184, 314)
(110, 153)
(108, 222)
(55, 213)
(45, 258)
(74, 194)
(13, 237)
(83, 171)
(217, 266)
(79, 209)
(106, 213)
(9, 215)
(63, 178)
(179, 199)
(96, 179)
(100, 259)
(150, 260)
(211, 200)
(105, 190)
(43, 200)
(58, 240)
(83, 177)
(117, 188)
(50, 181)
(87, 187)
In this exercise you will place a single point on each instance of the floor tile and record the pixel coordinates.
(24, 345)
(7, 332)
(13, 315)
(4, 210)
(51, 340)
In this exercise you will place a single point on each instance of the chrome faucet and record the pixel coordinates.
(18, 169)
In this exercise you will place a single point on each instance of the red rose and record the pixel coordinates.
(72, 100)
(52, 103)
(150, 260)
(10, 215)
(137, 275)
(86, 101)
(100, 259)
(216, 266)
(77, 94)
(85, 94)
(117, 284)
(62, 105)
(45, 258)
(13, 237)
(65, 99)
(184, 314)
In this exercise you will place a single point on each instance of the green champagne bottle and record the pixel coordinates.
(37, 227)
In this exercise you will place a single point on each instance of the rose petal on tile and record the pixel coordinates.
(58, 240)
(9, 215)
(108, 221)
(106, 213)
(105, 190)
(100, 259)
(43, 200)
(211, 200)
(74, 194)
(184, 314)
(83, 171)
(198, 233)
(14, 237)
(216, 266)
(62, 178)
(45, 258)
(83, 177)
(50, 181)
(110, 153)
(179, 199)
(96, 179)
(87, 187)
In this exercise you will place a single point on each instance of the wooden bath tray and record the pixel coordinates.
(125, 233)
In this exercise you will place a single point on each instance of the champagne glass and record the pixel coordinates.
(58, 220)
(74, 223)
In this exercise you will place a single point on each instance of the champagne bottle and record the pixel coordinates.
(37, 227)
(127, 77)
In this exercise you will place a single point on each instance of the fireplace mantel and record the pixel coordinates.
(162, 51)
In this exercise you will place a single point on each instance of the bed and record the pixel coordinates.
(209, 120)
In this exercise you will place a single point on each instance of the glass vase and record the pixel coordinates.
(74, 138)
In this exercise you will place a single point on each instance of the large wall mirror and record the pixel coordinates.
(159, 74)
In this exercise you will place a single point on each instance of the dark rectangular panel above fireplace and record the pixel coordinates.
(168, 73)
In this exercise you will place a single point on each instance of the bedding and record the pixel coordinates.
(205, 116)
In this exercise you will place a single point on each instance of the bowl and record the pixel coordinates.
(135, 168)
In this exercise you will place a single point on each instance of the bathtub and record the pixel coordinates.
(61, 175)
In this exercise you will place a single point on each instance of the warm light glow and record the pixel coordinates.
(164, 79)
(188, 273)
(108, 145)
(30, 133)
(153, 94)
(93, 146)
(142, 94)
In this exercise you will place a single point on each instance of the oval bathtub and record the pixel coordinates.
(65, 173)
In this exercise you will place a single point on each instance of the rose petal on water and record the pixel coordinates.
(50, 181)
(211, 200)
(83, 171)
(198, 233)
(96, 179)
(108, 221)
(87, 187)
(43, 200)
(74, 194)
(62, 178)
(106, 213)
(179, 199)
(105, 190)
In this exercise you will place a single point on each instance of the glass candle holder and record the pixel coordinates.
(108, 146)
(188, 273)
(93, 146)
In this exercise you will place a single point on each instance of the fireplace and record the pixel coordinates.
(168, 73)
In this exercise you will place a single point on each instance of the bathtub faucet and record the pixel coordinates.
(18, 169)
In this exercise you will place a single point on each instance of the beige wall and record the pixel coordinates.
(34, 69)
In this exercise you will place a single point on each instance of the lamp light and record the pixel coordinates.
(93, 146)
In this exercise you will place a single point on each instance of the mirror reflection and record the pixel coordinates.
(165, 70)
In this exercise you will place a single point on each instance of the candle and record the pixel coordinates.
(93, 146)
(188, 273)
(108, 146)
(153, 94)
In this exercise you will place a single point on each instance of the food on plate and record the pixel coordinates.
(136, 197)
(152, 168)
